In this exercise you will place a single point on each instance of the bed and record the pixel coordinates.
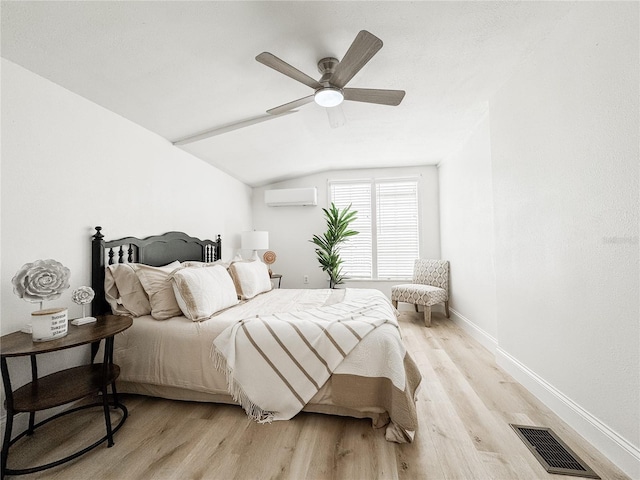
(245, 353)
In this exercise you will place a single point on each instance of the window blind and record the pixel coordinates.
(388, 222)
(357, 251)
(397, 228)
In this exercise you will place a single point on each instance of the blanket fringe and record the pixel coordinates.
(253, 411)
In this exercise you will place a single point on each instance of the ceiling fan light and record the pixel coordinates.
(328, 97)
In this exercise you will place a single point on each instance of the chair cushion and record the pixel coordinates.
(431, 272)
(418, 294)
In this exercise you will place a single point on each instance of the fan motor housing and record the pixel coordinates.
(326, 67)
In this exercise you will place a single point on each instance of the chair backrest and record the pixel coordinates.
(431, 272)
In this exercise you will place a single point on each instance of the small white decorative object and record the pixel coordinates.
(40, 281)
(83, 296)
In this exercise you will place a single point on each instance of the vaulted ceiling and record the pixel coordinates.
(180, 68)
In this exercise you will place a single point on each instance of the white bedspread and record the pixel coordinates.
(172, 359)
(275, 364)
(176, 352)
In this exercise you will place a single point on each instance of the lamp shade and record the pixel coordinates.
(254, 240)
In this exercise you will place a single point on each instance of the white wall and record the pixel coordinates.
(466, 229)
(69, 165)
(564, 156)
(291, 228)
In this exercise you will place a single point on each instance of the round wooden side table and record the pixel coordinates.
(64, 386)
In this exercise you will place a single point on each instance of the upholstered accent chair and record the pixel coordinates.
(430, 286)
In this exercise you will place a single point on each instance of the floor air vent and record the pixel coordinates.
(552, 453)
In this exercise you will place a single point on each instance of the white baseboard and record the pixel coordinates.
(487, 340)
(618, 449)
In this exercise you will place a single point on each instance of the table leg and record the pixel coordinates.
(6, 442)
(107, 416)
(107, 360)
(34, 383)
(114, 392)
(32, 421)
(9, 426)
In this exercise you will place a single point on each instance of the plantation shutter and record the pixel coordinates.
(388, 242)
(357, 251)
(398, 240)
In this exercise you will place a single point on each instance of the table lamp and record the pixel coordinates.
(254, 240)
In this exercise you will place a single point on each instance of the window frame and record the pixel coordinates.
(373, 182)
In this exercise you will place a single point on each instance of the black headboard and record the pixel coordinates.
(156, 251)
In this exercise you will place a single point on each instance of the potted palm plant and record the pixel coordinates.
(328, 244)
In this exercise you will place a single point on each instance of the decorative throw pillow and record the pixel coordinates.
(157, 284)
(250, 278)
(112, 294)
(203, 291)
(124, 292)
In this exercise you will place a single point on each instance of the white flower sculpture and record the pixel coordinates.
(41, 280)
(82, 295)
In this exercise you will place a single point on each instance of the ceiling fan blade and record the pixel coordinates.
(283, 67)
(363, 48)
(374, 95)
(229, 127)
(290, 106)
(336, 116)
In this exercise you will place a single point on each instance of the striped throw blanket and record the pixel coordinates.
(275, 364)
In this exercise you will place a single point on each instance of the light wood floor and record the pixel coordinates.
(465, 405)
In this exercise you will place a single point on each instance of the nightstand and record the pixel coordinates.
(277, 276)
(64, 386)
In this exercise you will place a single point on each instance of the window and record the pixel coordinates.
(388, 242)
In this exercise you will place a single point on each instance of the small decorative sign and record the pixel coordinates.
(49, 324)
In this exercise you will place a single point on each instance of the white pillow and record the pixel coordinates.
(157, 284)
(194, 263)
(203, 291)
(250, 278)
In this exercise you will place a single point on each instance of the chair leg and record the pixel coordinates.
(446, 308)
(427, 316)
(394, 303)
(416, 307)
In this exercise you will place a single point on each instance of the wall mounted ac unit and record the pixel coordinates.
(285, 197)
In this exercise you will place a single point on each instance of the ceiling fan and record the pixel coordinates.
(330, 90)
